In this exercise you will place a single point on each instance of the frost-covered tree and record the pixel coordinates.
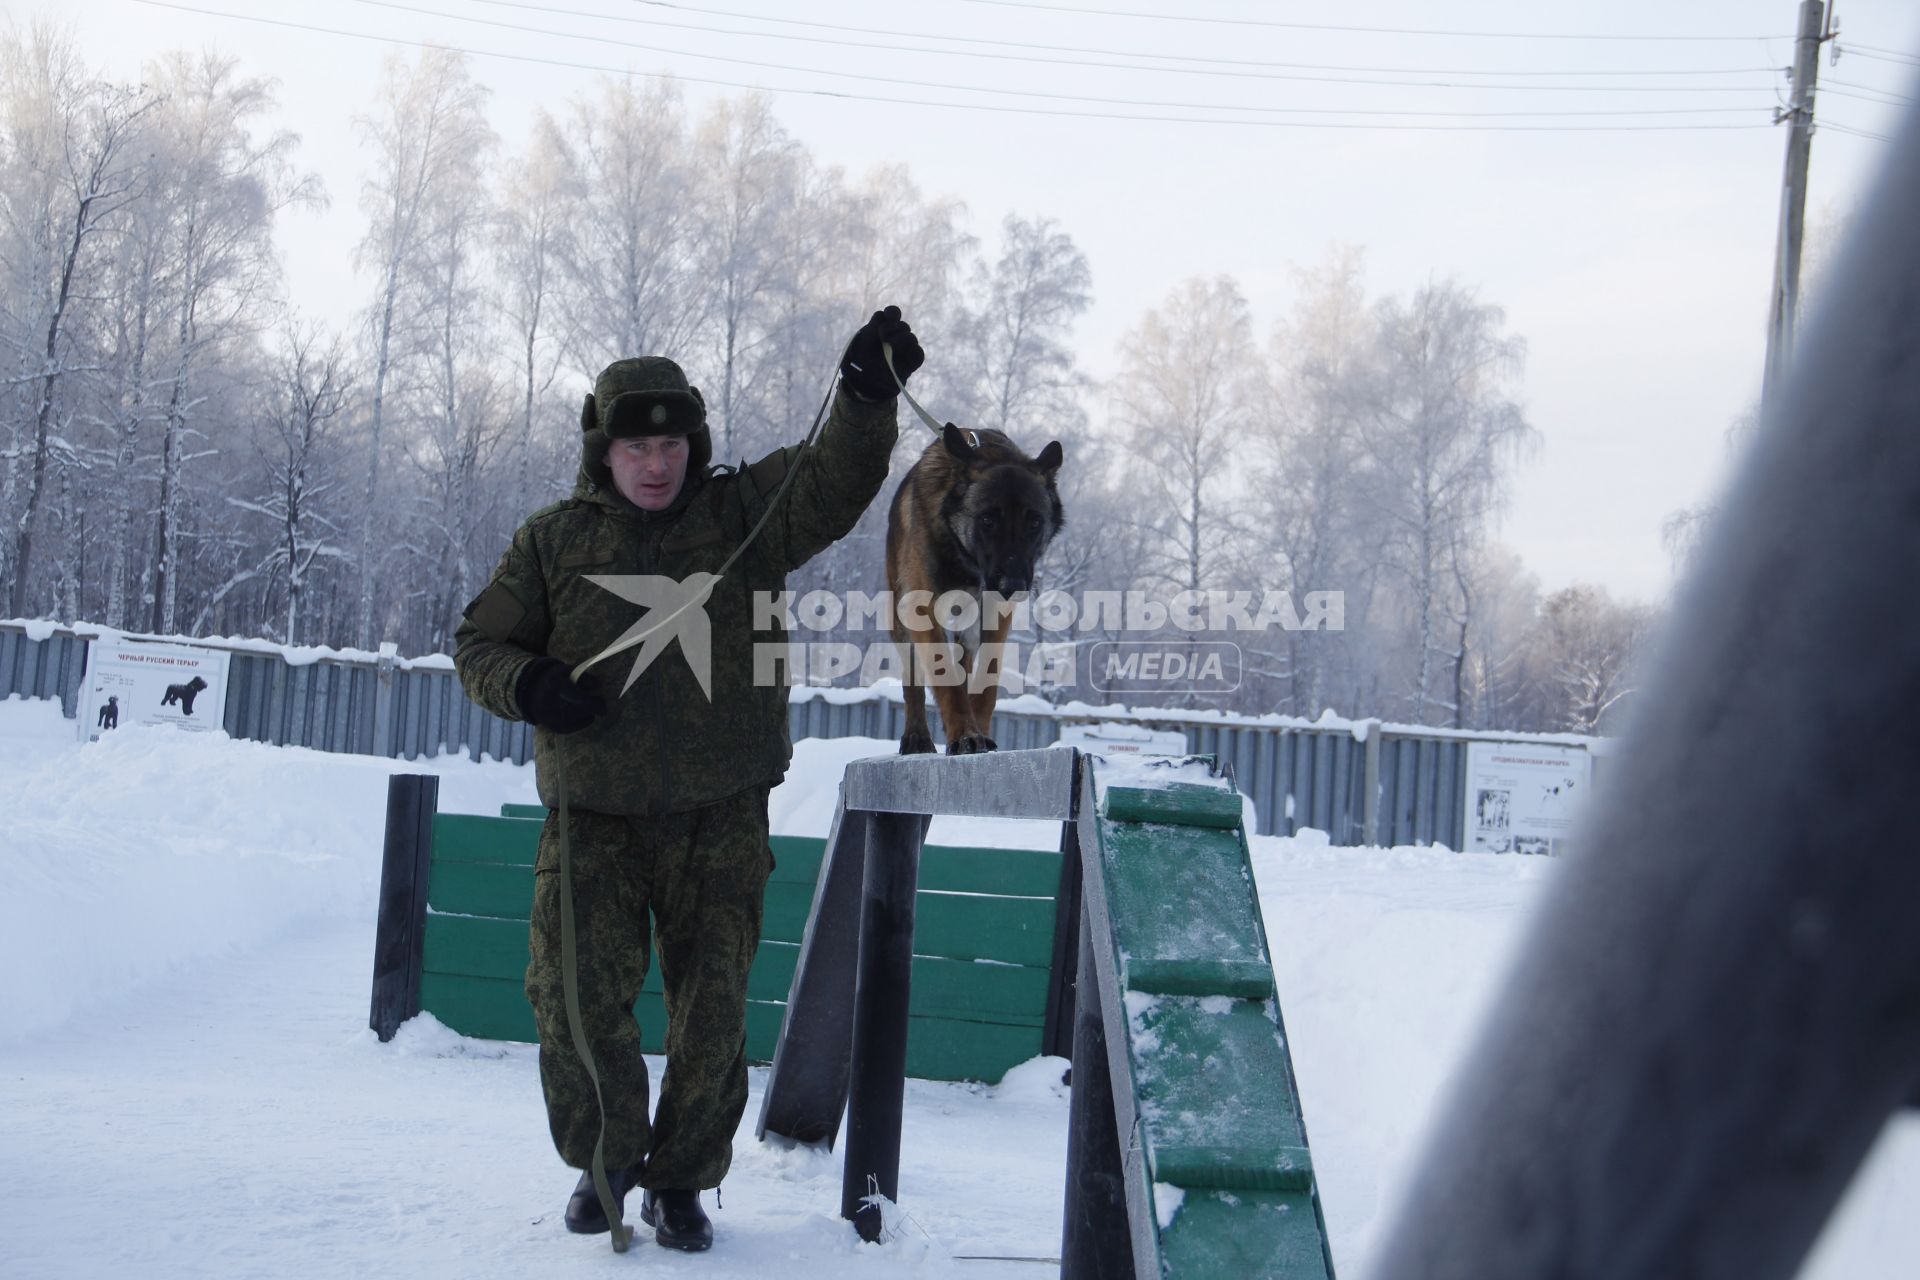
(222, 184)
(68, 168)
(427, 126)
(460, 423)
(895, 244)
(301, 481)
(1182, 399)
(1440, 429)
(748, 169)
(1490, 612)
(533, 243)
(813, 314)
(1020, 329)
(1308, 533)
(1585, 648)
(630, 287)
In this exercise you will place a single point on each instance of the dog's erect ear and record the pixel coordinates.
(956, 441)
(589, 414)
(1050, 459)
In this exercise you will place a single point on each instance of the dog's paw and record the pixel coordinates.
(916, 743)
(971, 744)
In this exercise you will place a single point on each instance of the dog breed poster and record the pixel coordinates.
(1523, 798)
(143, 682)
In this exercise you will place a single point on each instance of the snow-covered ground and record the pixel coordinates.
(189, 1088)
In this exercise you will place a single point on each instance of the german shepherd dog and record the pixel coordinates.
(973, 514)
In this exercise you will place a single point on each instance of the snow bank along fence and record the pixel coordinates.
(457, 892)
(1299, 774)
(1186, 1151)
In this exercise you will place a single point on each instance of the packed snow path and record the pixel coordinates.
(187, 1087)
(237, 1123)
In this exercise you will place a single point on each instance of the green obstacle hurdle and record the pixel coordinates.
(1187, 1153)
(457, 890)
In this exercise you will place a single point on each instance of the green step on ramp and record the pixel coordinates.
(1219, 1175)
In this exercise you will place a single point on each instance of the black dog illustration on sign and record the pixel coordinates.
(184, 694)
(110, 713)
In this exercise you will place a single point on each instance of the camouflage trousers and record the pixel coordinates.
(694, 884)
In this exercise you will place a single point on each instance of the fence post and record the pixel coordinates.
(383, 670)
(1370, 802)
(411, 801)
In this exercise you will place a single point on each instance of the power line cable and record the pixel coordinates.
(996, 108)
(1858, 52)
(1827, 90)
(1045, 95)
(917, 83)
(1852, 132)
(1393, 31)
(1852, 46)
(1887, 96)
(1076, 49)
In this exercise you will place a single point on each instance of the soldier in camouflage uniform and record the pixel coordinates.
(667, 784)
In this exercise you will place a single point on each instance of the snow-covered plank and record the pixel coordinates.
(997, 784)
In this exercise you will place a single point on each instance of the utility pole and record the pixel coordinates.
(1816, 18)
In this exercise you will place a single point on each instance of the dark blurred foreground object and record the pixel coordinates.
(1718, 1007)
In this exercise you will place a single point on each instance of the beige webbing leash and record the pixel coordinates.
(576, 1026)
(933, 423)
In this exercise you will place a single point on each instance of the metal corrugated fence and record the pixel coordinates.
(1298, 776)
(45, 668)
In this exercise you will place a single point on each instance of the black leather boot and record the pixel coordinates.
(677, 1220)
(584, 1215)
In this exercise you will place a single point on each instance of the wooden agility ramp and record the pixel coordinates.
(1187, 1152)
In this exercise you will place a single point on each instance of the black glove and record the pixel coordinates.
(863, 369)
(550, 699)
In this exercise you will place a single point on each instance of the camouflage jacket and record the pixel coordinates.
(664, 747)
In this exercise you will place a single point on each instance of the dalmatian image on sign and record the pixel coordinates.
(1522, 797)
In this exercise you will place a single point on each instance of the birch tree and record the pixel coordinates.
(1439, 432)
(138, 285)
(1181, 398)
(1586, 645)
(313, 387)
(428, 123)
(1021, 327)
(812, 312)
(1308, 470)
(631, 289)
(748, 173)
(69, 172)
(895, 243)
(534, 241)
(224, 186)
(462, 425)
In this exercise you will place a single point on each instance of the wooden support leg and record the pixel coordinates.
(1095, 1239)
(877, 1088)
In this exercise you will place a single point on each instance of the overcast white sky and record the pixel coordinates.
(1636, 264)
